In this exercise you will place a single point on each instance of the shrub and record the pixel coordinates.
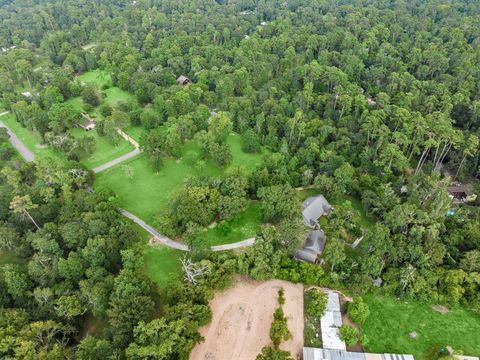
(281, 296)
(316, 303)
(348, 334)
(358, 310)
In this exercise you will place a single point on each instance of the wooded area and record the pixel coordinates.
(373, 103)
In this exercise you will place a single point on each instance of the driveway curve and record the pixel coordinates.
(175, 244)
(17, 143)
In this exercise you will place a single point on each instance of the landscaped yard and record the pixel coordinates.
(391, 321)
(243, 226)
(30, 138)
(104, 150)
(147, 193)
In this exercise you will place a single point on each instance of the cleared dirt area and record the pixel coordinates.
(241, 321)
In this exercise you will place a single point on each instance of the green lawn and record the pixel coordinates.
(104, 149)
(162, 264)
(391, 321)
(243, 226)
(98, 77)
(31, 139)
(115, 95)
(135, 132)
(248, 161)
(147, 193)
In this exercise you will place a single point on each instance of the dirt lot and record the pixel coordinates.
(241, 321)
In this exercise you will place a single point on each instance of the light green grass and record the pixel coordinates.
(104, 150)
(239, 157)
(147, 193)
(135, 132)
(76, 102)
(115, 95)
(162, 264)
(98, 77)
(31, 139)
(8, 258)
(243, 226)
(391, 321)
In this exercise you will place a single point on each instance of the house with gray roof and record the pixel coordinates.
(313, 247)
(183, 80)
(313, 208)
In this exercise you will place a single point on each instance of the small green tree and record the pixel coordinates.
(316, 302)
(279, 330)
(269, 353)
(348, 334)
(281, 296)
(358, 310)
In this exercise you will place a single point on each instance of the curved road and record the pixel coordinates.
(17, 143)
(175, 244)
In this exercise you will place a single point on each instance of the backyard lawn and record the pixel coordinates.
(391, 321)
(104, 149)
(146, 194)
(30, 138)
(243, 226)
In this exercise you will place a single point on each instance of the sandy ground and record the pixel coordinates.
(241, 321)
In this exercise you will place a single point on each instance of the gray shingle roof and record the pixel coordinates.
(313, 208)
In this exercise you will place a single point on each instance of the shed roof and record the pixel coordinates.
(182, 80)
(331, 322)
(306, 255)
(313, 208)
(329, 354)
(315, 241)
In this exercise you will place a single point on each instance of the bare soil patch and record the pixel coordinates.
(440, 308)
(241, 321)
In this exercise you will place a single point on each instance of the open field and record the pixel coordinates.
(391, 321)
(98, 77)
(147, 193)
(31, 139)
(162, 264)
(243, 226)
(104, 149)
(241, 320)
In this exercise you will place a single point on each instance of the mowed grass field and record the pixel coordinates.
(391, 321)
(104, 150)
(243, 226)
(31, 139)
(147, 193)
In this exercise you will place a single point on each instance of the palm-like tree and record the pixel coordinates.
(21, 205)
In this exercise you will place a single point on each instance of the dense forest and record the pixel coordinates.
(374, 99)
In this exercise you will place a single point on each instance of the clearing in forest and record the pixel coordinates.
(241, 320)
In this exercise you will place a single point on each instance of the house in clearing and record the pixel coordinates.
(88, 123)
(461, 194)
(313, 208)
(313, 247)
(183, 80)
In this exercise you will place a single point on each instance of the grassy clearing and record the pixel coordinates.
(162, 264)
(135, 132)
(241, 158)
(387, 328)
(97, 76)
(8, 258)
(31, 139)
(243, 226)
(147, 193)
(115, 95)
(104, 150)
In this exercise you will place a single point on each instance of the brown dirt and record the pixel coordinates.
(441, 309)
(241, 321)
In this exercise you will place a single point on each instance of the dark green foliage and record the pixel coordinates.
(269, 353)
(315, 303)
(279, 330)
(348, 334)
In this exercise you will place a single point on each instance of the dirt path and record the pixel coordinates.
(117, 161)
(17, 143)
(241, 321)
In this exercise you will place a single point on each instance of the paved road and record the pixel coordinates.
(163, 239)
(117, 160)
(175, 244)
(17, 143)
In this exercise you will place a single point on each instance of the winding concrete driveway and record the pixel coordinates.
(175, 244)
(17, 143)
(117, 160)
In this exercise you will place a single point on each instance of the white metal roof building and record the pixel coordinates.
(327, 354)
(331, 322)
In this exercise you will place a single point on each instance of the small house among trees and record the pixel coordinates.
(88, 123)
(461, 194)
(183, 80)
(312, 209)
